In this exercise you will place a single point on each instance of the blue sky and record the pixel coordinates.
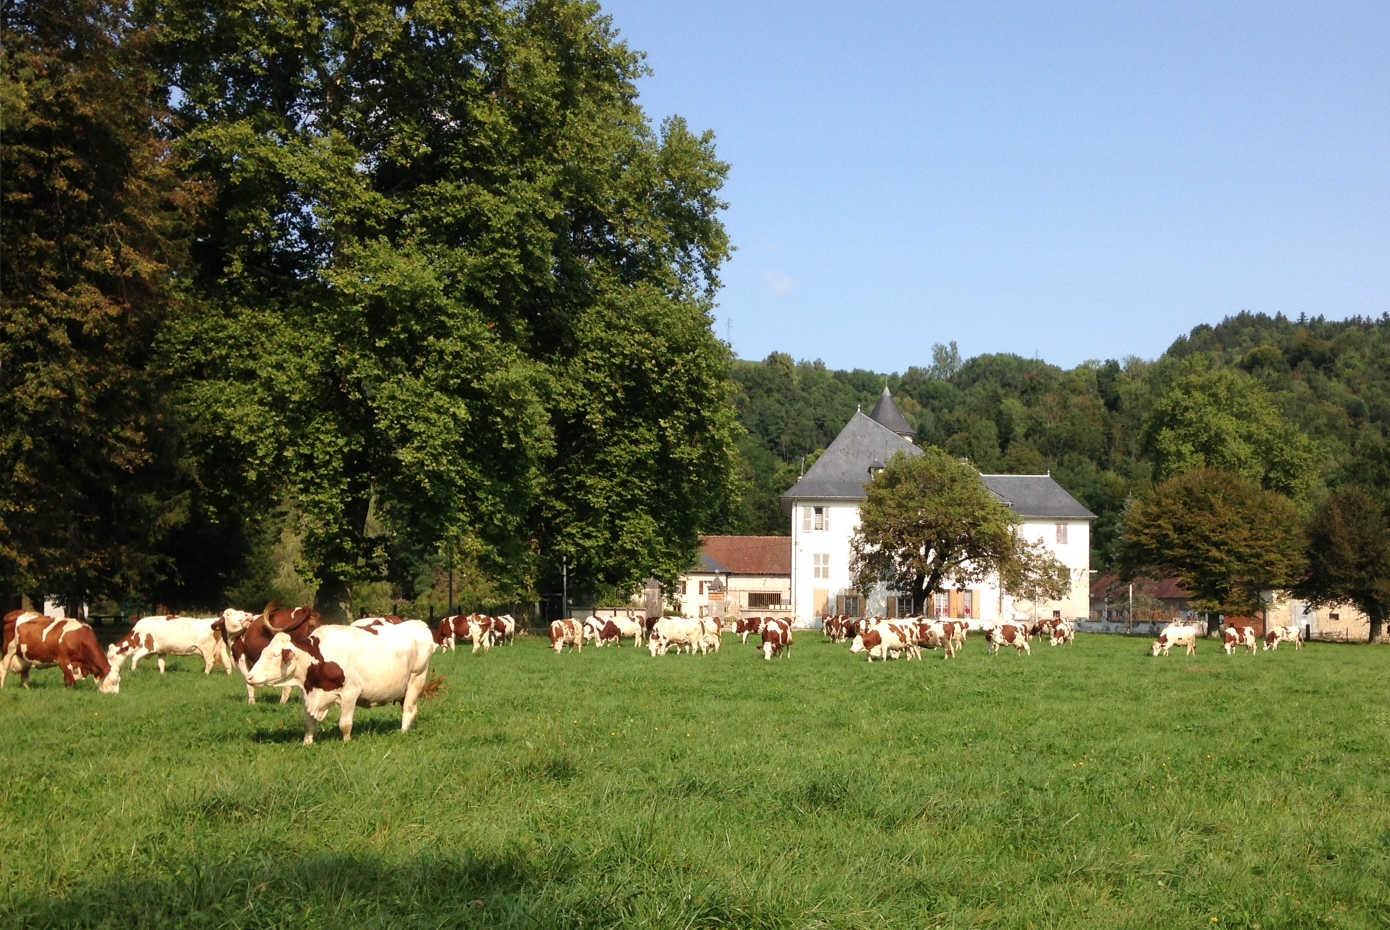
(1067, 181)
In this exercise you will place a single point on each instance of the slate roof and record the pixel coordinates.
(1166, 589)
(745, 555)
(842, 471)
(887, 413)
(1036, 496)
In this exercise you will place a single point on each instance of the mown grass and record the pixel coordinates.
(1091, 786)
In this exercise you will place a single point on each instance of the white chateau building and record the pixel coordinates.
(824, 506)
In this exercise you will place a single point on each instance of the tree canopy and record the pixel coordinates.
(1222, 535)
(1349, 555)
(928, 521)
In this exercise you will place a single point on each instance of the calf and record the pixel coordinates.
(566, 632)
(348, 666)
(1283, 634)
(1009, 634)
(173, 635)
(777, 638)
(32, 640)
(297, 623)
(1236, 637)
(1176, 634)
(745, 626)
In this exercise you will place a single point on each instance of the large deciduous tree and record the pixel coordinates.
(929, 521)
(1033, 574)
(1349, 555)
(1223, 419)
(1222, 535)
(455, 284)
(92, 232)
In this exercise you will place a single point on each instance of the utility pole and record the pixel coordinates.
(564, 586)
(451, 578)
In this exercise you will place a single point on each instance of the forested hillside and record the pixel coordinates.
(1300, 405)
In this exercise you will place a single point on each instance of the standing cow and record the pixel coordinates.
(1283, 634)
(1237, 636)
(1177, 634)
(172, 635)
(348, 666)
(777, 638)
(1009, 634)
(31, 640)
(297, 623)
(567, 632)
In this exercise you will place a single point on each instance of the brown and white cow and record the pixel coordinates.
(748, 626)
(32, 640)
(617, 629)
(349, 666)
(777, 637)
(173, 635)
(887, 639)
(934, 634)
(296, 622)
(1010, 633)
(1177, 634)
(1283, 634)
(1238, 636)
(1060, 632)
(568, 632)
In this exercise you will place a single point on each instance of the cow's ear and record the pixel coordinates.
(287, 656)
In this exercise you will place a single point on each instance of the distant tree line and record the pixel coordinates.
(1277, 423)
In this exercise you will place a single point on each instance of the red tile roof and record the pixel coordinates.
(746, 555)
(1166, 589)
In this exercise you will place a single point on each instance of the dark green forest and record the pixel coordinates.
(1300, 405)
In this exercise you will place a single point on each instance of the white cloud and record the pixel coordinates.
(779, 283)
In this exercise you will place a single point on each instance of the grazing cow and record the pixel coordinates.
(1060, 632)
(296, 622)
(1177, 634)
(1283, 634)
(617, 629)
(504, 629)
(32, 640)
(746, 626)
(593, 631)
(1235, 637)
(567, 632)
(777, 637)
(1009, 634)
(886, 640)
(933, 634)
(444, 634)
(680, 632)
(173, 635)
(348, 666)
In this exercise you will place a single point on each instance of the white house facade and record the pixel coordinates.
(824, 509)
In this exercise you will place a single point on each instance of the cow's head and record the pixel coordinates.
(1159, 643)
(277, 663)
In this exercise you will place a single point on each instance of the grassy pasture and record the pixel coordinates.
(1090, 786)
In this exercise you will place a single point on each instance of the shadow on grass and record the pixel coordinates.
(292, 728)
(284, 889)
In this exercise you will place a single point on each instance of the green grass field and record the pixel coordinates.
(1090, 786)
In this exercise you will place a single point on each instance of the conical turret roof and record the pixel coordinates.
(887, 413)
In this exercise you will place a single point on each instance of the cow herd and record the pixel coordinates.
(1234, 636)
(378, 660)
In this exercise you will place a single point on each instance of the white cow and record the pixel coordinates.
(1177, 634)
(1237, 636)
(348, 666)
(680, 632)
(1283, 634)
(172, 636)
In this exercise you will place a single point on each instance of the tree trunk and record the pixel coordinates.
(333, 600)
(1377, 618)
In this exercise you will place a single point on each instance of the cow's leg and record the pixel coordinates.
(285, 695)
(209, 659)
(347, 704)
(69, 678)
(226, 655)
(159, 659)
(410, 707)
(135, 657)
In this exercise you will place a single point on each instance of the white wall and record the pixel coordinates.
(1075, 553)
